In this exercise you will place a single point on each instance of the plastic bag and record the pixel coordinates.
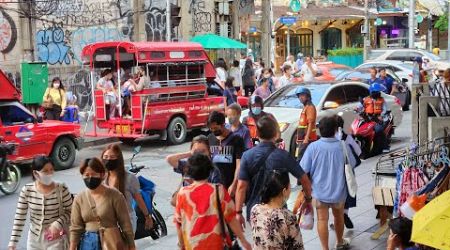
(307, 218)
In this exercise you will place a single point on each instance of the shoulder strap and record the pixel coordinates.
(221, 219)
(347, 160)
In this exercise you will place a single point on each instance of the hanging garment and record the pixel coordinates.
(398, 183)
(412, 180)
(431, 186)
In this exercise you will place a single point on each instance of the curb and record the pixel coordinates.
(92, 141)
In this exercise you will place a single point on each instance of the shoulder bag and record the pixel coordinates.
(226, 244)
(350, 179)
(110, 237)
(48, 102)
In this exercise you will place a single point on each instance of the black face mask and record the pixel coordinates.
(217, 132)
(111, 164)
(92, 182)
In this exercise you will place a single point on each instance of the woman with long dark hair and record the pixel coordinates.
(55, 100)
(126, 182)
(273, 225)
(221, 71)
(249, 78)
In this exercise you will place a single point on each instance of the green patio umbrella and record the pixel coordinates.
(212, 41)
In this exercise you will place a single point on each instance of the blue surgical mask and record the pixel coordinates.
(256, 110)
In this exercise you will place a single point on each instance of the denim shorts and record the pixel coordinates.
(90, 241)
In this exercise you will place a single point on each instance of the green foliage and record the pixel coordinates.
(442, 23)
(345, 52)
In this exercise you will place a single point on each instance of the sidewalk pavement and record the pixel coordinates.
(89, 141)
(363, 217)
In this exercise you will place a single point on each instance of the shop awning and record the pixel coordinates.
(212, 41)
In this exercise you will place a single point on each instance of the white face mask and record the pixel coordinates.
(45, 179)
(56, 85)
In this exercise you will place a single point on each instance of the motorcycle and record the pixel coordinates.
(148, 192)
(10, 175)
(363, 130)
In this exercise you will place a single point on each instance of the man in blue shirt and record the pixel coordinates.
(324, 162)
(256, 162)
(234, 124)
(387, 82)
(373, 76)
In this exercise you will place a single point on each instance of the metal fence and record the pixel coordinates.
(442, 90)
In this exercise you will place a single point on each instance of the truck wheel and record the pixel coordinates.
(177, 131)
(63, 154)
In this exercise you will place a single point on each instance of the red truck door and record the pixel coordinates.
(17, 125)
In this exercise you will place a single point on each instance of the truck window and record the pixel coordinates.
(12, 115)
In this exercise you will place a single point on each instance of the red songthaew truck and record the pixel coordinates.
(178, 94)
(56, 139)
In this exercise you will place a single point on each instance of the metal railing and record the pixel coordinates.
(442, 90)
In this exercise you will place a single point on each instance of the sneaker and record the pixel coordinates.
(386, 150)
(345, 244)
(347, 222)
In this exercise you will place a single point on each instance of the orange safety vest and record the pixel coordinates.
(303, 127)
(373, 107)
(251, 125)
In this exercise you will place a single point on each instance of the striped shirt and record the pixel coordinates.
(44, 210)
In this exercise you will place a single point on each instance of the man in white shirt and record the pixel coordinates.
(286, 78)
(309, 70)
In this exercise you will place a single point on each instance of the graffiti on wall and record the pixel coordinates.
(8, 32)
(79, 84)
(52, 46)
(155, 20)
(202, 20)
(84, 36)
(246, 7)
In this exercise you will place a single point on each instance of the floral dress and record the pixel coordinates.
(275, 228)
(197, 215)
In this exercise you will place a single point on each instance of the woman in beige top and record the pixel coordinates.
(98, 201)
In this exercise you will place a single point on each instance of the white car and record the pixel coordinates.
(402, 69)
(407, 55)
(329, 98)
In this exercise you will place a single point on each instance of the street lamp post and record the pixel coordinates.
(411, 23)
(288, 42)
(366, 30)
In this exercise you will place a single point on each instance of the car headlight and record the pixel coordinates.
(283, 126)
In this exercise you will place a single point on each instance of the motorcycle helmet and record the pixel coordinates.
(376, 87)
(302, 90)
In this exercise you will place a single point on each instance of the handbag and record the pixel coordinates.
(111, 238)
(352, 186)
(226, 246)
(48, 103)
(173, 200)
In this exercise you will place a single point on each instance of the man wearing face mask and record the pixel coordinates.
(306, 131)
(47, 229)
(375, 107)
(234, 124)
(226, 151)
(256, 106)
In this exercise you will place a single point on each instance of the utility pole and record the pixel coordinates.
(366, 30)
(266, 35)
(448, 30)
(168, 27)
(288, 42)
(236, 23)
(30, 29)
(136, 21)
(430, 32)
(411, 23)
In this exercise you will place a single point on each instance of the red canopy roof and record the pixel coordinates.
(133, 47)
(8, 90)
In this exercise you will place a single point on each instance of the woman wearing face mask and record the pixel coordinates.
(267, 73)
(263, 91)
(49, 205)
(273, 225)
(126, 182)
(99, 207)
(55, 100)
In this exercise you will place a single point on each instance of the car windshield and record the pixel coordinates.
(354, 75)
(408, 66)
(432, 56)
(287, 98)
(337, 71)
(375, 54)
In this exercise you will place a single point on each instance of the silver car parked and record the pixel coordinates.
(329, 98)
